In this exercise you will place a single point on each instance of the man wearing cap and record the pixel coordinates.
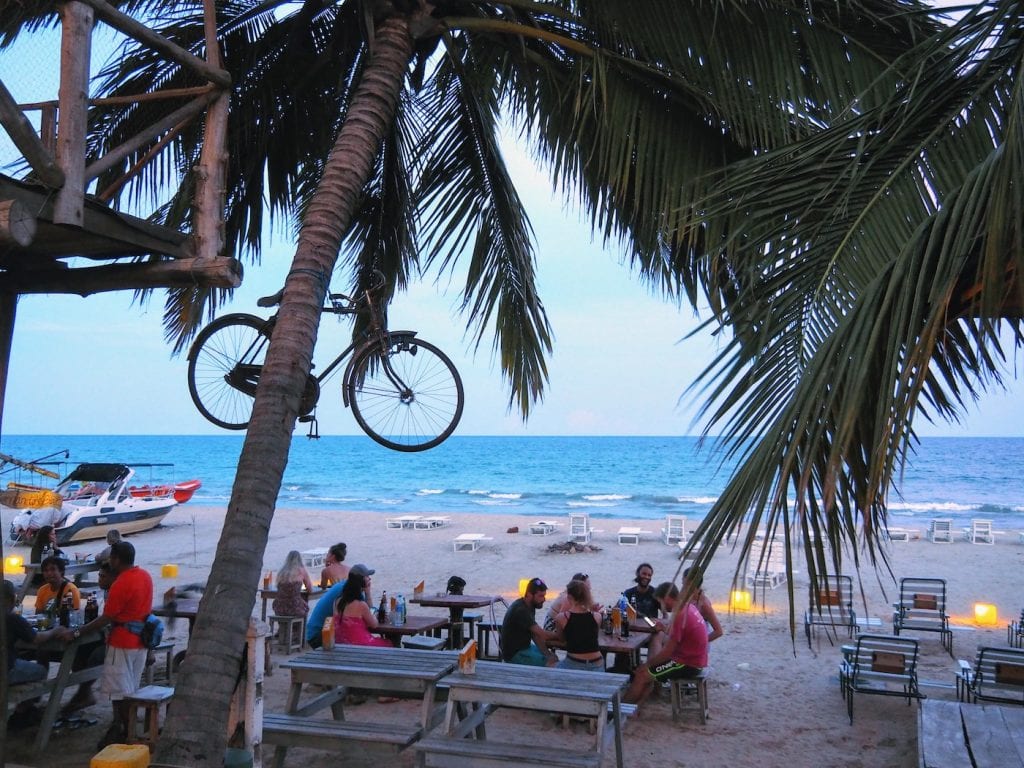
(324, 607)
(523, 641)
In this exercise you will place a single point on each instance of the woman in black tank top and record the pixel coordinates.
(580, 627)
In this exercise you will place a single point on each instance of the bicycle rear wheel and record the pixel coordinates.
(224, 366)
(408, 397)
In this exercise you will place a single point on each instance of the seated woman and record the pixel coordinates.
(334, 569)
(292, 577)
(561, 603)
(353, 617)
(579, 625)
(692, 587)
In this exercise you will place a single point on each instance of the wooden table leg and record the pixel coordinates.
(53, 704)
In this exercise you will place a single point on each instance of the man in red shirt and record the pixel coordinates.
(130, 600)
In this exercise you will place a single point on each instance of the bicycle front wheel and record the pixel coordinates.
(407, 396)
(224, 367)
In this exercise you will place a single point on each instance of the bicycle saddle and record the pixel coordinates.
(270, 301)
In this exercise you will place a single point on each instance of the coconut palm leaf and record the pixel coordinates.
(872, 268)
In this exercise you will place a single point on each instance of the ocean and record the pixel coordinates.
(636, 477)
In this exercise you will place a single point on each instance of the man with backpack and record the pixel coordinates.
(128, 603)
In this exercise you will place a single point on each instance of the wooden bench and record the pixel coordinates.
(997, 674)
(451, 752)
(149, 700)
(334, 735)
(424, 642)
(953, 734)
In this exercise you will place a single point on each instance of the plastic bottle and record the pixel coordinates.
(327, 634)
(400, 610)
(624, 611)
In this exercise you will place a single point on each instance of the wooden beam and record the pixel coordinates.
(17, 224)
(148, 135)
(75, 52)
(124, 23)
(168, 273)
(27, 141)
(134, 98)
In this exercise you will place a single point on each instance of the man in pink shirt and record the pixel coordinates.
(130, 600)
(684, 654)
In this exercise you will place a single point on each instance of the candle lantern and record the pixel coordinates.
(985, 614)
(740, 600)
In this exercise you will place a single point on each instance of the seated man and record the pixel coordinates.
(21, 671)
(523, 641)
(641, 596)
(684, 654)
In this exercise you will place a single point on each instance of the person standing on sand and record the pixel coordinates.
(523, 641)
(334, 569)
(129, 601)
(685, 653)
(113, 536)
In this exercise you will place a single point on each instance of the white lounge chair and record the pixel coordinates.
(980, 532)
(429, 523)
(940, 531)
(579, 528)
(674, 530)
(469, 542)
(543, 527)
(769, 572)
(630, 535)
(405, 521)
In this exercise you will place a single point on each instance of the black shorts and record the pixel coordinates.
(673, 670)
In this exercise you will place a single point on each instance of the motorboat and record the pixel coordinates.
(94, 499)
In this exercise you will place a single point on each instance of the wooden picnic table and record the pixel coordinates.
(391, 671)
(268, 595)
(951, 734)
(414, 625)
(472, 697)
(183, 608)
(455, 604)
(55, 686)
(74, 570)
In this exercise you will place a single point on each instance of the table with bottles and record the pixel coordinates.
(412, 625)
(455, 604)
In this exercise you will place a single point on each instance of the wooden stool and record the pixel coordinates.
(167, 649)
(483, 643)
(700, 684)
(470, 620)
(149, 699)
(290, 632)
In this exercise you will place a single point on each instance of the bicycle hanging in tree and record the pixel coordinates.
(404, 392)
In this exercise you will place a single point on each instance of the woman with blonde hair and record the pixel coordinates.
(579, 624)
(292, 577)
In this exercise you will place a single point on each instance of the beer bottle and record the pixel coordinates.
(382, 610)
(607, 622)
(92, 609)
(65, 611)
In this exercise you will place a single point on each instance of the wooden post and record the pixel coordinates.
(35, 150)
(75, 50)
(208, 220)
(247, 701)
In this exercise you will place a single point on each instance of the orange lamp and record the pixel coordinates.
(739, 600)
(985, 614)
(522, 587)
(169, 571)
(12, 563)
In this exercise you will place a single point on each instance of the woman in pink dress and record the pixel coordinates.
(353, 618)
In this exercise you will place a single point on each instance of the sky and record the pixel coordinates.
(622, 358)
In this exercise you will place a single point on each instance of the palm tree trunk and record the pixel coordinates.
(195, 733)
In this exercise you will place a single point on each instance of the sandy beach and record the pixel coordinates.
(773, 701)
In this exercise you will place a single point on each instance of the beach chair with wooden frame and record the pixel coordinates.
(922, 607)
(674, 530)
(830, 604)
(997, 674)
(880, 665)
(940, 531)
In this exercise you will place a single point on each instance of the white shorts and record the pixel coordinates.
(122, 671)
